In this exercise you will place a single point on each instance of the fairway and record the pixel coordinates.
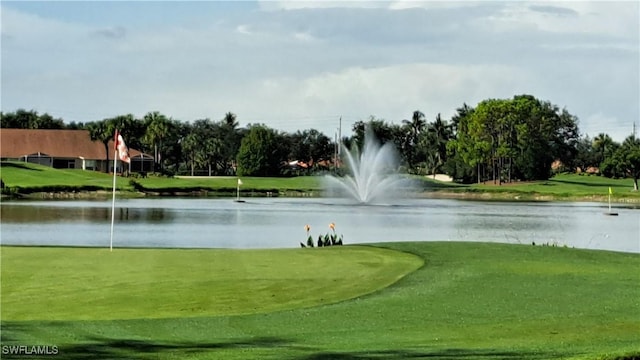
(458, 301)
(40, 283)
(26, 178)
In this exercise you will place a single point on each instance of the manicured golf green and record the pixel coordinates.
(160, 283)
(466, 301)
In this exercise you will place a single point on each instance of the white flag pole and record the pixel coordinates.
(113, 202)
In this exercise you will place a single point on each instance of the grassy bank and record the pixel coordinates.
(468, 300)
(29, 179)
(562, 186)
(24, 179)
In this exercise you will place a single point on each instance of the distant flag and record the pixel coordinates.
(121, 147)
(610, 191)
(238, 191)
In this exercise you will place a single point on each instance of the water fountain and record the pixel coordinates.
(372, 173)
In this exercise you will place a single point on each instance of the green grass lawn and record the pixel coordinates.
(574, 185)
(561, 186)
(26, 175)
(300, 183)
(467, 301)
(33, 178)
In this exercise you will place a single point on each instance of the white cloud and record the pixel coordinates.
(269, 5)
(243, 29)
(430, 4)
(589, 17)
(303, 36)
(392, 93)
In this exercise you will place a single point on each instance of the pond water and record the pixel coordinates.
(279, 222)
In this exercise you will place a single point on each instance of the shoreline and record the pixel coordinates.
(517, 196)
(249, 193)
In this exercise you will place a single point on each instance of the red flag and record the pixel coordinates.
(123, 153)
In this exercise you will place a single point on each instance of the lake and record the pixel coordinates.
(279, 222)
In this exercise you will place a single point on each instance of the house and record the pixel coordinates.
(65, 149)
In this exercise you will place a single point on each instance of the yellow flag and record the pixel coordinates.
(610, 191)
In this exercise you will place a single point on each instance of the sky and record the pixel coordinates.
(296, 65)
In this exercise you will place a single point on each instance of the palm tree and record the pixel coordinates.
(630, 153)
(102, 131)
(230, 120)
(157, 126)
(461, 113)
(434, 161)
(230, 141)
(603, 145)
(416, 126)
(440, 133)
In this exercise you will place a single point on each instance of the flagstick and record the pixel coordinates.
(609, 200)
(113, 202)
(238, 192)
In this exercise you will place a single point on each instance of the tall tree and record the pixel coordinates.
(310, 146)
(105, 129)
(522, 136)
(438, 135)
(172, 145)
(23, 119)
(586, 156)
(416, 125)
(477, 136)
(604, 146)
(190, 147)
(455, 166)
(259, 153)
(203, 146)
(545, 134)
(382, 131)
(157, 126)
(409, 143)
(625, 161)
(76, 125)
(102, 131)
(230, 142)
(565, 141)
(461, 113)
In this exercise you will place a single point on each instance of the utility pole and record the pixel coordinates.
(340, 137)
(335, 155)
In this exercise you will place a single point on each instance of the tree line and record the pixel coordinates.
(499, 140)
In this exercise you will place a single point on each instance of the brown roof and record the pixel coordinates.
(15, 143)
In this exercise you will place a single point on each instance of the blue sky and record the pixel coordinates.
(298, 65)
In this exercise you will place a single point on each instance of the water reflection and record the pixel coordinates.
(278, 222)
(42, 214)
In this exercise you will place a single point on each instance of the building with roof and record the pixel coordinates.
(66, 149)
